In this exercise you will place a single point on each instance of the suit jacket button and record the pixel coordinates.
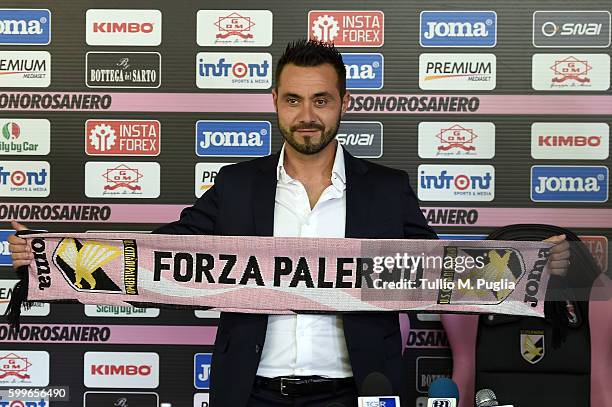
(257, 348)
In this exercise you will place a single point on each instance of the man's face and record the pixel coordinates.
(309, 106)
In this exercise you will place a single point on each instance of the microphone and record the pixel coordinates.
(375, 392)
(443, 392)
(486, 398)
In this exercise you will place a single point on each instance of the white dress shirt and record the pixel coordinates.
(306, 345)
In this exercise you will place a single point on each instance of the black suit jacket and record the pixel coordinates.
(379, 204)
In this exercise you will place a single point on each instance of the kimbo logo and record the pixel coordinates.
(121, 369)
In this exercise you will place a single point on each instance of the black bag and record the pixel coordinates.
(534, 362)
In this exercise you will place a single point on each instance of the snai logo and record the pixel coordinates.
(575, 28)
(361, 139)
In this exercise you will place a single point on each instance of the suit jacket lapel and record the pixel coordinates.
(358, 192)
(264, 194)
(357, 197)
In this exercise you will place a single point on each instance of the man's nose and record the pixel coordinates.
(307, 114)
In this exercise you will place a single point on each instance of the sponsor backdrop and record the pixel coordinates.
(115, 119)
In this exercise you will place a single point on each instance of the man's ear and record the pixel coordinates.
(346, 101)
(274, 98)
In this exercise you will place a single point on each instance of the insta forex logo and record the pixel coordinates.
(347, 28)
(122, 137)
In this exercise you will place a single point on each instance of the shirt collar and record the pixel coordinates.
(338, 177)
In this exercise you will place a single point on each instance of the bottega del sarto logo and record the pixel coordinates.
(121, 369)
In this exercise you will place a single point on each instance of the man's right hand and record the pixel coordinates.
(20, 251)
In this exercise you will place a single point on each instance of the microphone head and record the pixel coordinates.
(376, 384)
(443, 387)
(486, 398)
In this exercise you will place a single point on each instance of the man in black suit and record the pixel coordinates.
(311, 188)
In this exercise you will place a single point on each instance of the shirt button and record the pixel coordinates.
(257, 348)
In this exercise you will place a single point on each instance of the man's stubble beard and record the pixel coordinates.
(327, 136)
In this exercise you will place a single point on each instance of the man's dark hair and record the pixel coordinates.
(307, 53)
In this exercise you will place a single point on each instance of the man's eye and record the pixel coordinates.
(320, 102)
(292, 101)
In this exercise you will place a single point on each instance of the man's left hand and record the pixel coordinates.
(559, 258)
